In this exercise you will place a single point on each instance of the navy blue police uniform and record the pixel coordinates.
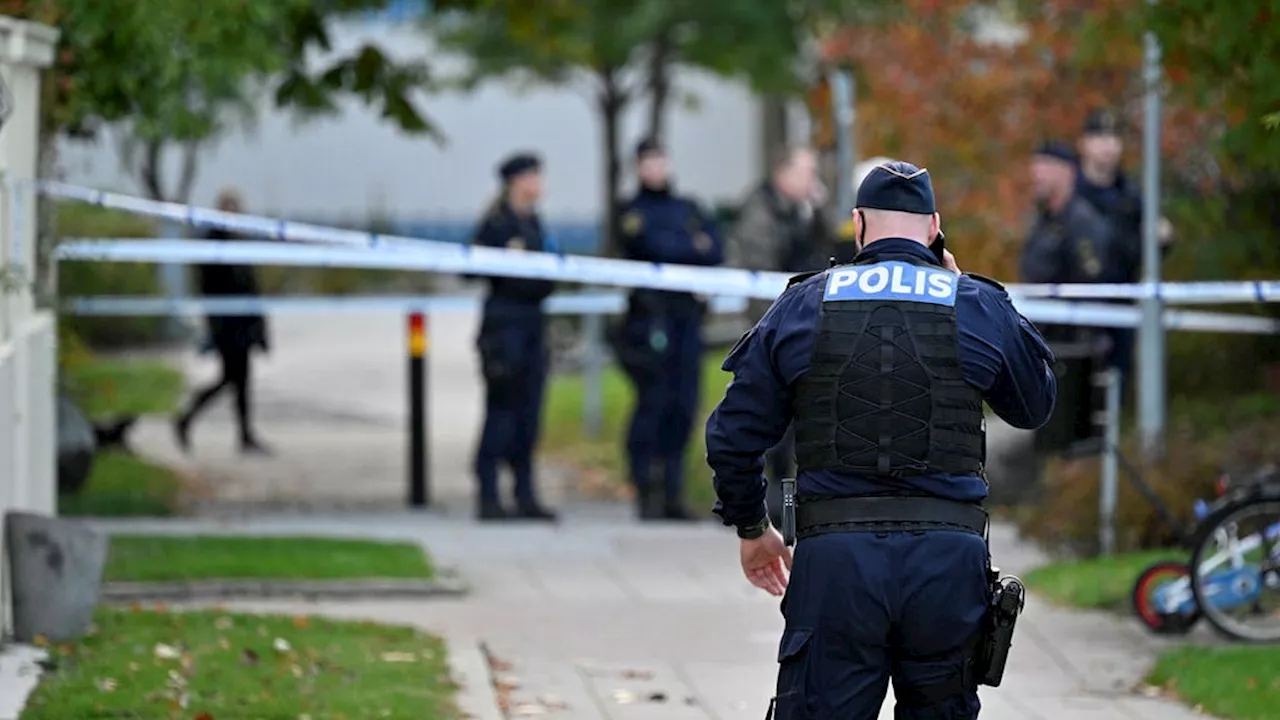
(660, 341)
(883, 365)
(1120, 202)
(514, 358)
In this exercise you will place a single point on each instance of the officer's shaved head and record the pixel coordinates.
(877, 224)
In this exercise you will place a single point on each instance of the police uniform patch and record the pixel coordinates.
(892, 281)
(515, 243)
(632, 222)
(1090, 263)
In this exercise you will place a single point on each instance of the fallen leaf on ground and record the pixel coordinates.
(249, 657)
(40, 641)
(301, 621)
(165, 652)
(203, 716)
(281, 645)
(105, 684)
(528, 710)
(624, 697)
(657, 697)
(224, 623)
(551, 702)
(398, 657)
(637, 674)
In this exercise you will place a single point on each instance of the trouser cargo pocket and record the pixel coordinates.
(793, 665)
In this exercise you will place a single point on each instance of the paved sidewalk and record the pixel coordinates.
(599, 618)
(604, 619)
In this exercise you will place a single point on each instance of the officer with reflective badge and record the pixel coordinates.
(883, 365)
(513, 349)
(659, 343)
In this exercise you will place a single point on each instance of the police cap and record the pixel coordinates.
(518, 164)
(897, 186)
(647, 146)
(1056, 149)
(1102, 122)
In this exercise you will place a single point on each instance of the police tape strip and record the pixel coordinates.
(1042, 311)
(604, 271)
(597, 303)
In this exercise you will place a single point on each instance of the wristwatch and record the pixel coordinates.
(753, 532)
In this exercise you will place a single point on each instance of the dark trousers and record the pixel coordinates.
(235, 375)
(513, 410)
(666, 403)
(864, 609)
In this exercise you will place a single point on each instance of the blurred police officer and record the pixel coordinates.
(1070, 241)
(1105, 186)
(883, 365)
(661, 336)
(512, 344)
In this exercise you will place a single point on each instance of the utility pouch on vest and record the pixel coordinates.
(1008, 597)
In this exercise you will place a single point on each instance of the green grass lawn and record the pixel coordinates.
(1097, 583)
(564, 438)
(124, 485)
(106, 388)
(211, 665)
(1237, 682)
(163, 558)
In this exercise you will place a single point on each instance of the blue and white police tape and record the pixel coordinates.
(592, 303)
(197, 251)
(1042, 311)
(454, 258)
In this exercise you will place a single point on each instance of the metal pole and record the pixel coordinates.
(593, 375)
(842, 107)
(419, 468)
(1151, 379)
(1108, 492)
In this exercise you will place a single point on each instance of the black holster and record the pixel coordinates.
(1008, 597)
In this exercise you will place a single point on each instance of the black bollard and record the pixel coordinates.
(419, 461)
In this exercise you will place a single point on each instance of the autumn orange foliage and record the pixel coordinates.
(933, 92)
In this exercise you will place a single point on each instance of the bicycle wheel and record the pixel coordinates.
(1236, 570)
(1163, 601)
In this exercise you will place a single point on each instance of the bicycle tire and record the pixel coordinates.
(1266, 496)
(1154, 620)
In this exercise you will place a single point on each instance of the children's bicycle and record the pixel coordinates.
(1235, 549)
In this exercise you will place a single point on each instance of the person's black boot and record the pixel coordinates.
(182, 432)
(534, 511)
(491, 512)
(678, 512)
(650, 506)
(251, 446)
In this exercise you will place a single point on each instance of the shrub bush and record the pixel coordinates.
(1205, 438)
(100, 278)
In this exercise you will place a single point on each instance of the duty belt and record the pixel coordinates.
(877, 514)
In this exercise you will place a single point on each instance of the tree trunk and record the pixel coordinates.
(660, 81)
(151, 173)
(612, 100)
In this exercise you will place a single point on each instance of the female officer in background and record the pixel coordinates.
(513, 350)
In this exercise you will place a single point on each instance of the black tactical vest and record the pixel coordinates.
(884, 394)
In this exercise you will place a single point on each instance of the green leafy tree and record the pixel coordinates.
(628, 48)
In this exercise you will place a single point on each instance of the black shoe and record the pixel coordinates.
(679, 513)
(647, 509)
(253, 447)
(536, 512)
(492, 512)
(182, 432)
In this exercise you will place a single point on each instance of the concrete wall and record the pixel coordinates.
(356, 164)
(28, 478)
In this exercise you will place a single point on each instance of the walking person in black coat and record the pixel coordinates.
(233, 337)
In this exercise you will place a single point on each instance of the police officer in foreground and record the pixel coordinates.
(883, 365)
(659, 342)
(513, 349)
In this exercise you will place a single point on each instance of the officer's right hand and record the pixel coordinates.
(949, 262)
(766, 561)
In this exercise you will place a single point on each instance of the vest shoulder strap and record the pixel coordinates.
(985, 279)
(797, 279)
